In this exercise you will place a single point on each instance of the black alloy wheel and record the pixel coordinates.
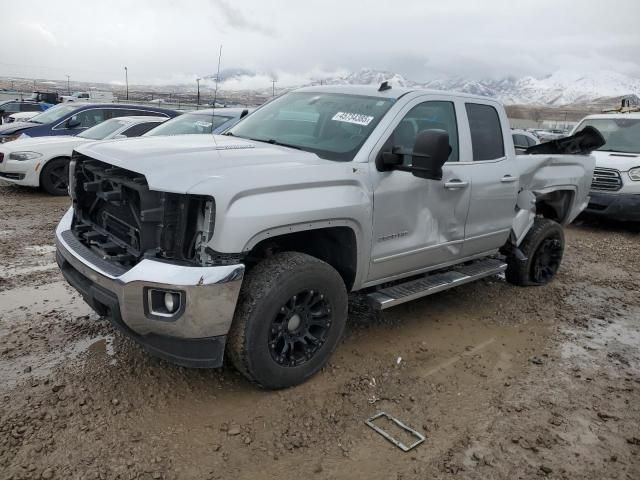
(54, 178)
(300, 328)
(547, 259)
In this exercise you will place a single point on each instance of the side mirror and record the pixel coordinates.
(430, 152)
(73, 123)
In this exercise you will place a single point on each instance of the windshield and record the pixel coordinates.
(53, 114)
(103, 130)
(189, 123)
(333, 126)
(620, 134)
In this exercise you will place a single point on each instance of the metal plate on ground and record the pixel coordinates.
(395, 441)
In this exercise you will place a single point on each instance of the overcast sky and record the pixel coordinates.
(163, 41)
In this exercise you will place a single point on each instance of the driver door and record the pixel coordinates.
(418, 223)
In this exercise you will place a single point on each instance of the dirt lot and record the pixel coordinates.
(504, 382)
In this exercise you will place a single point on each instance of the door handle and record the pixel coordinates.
(508, 179)
(455, 184)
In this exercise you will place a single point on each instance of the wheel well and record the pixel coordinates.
(48, 162)
(335, 245)
(555, 205)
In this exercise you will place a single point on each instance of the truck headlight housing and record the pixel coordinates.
(634, 174)
(22, 156)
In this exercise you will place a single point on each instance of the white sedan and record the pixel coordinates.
(44, 161)
(21, 117)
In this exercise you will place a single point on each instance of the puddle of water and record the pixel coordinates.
(36, 299)
(104, 346)
(12, 371)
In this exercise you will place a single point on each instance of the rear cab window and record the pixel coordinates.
(487, 140)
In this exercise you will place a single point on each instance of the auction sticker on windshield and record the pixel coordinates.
(356, 118)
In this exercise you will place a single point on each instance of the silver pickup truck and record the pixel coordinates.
(250, 241)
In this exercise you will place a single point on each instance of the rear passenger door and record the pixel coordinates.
(495, 178)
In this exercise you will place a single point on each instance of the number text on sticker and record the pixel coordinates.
(356, 118)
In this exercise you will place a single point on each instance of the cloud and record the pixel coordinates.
(236, 19)
(293, 39)
(38, 28)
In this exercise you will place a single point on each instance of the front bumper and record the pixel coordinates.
(195, 337)
(20, 172)
(624, 207)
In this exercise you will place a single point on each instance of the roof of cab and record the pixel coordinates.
(393, 92)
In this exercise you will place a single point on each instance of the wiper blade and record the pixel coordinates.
(270, 141)
(280, 144)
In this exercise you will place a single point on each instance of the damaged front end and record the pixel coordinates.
(118, 217)
(141, 258)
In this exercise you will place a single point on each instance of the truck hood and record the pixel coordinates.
(14, 127)
(177, 163)
(620, 161)
(38, 143)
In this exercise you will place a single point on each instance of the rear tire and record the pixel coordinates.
(290, 317)
(543, 247)
(54, 178)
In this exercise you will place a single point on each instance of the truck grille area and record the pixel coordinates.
(121, 220)
(606, 179)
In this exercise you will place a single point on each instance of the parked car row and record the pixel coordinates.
(71, 119)
(37, 153)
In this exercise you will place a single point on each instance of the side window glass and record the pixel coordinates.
(139, 129)
(426, 116)
(119, 112)
(89, 118)
(30, 107)
(520, 141)
(11, 107)
(531, 141)
(486, 132)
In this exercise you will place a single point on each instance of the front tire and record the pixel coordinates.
(290, 317)
(54, 178)
(543, 247)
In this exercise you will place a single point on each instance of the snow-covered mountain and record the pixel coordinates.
(560, 88)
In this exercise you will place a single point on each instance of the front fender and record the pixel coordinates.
(249, 215)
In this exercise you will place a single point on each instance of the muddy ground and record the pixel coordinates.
(504, 382)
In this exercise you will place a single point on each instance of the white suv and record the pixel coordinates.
(615, 191)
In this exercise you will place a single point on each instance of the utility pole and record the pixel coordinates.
(68, 85)
(273, 88)
(198, 82)
(126, 80)
(34, 85)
